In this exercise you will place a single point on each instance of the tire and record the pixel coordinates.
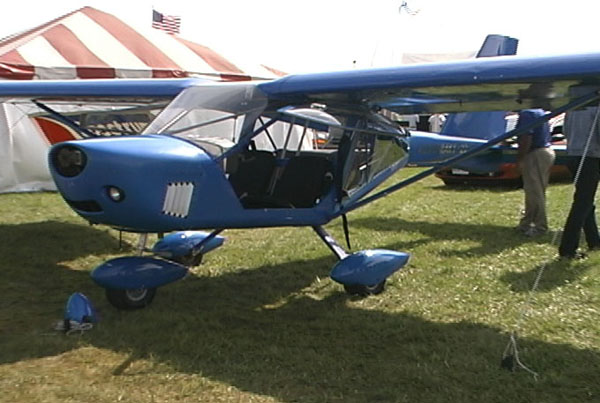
(365, 290)
(130, 299)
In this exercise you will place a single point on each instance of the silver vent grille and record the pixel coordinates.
(178, 199)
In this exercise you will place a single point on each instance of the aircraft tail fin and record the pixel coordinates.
(498, 45)
(483, 125)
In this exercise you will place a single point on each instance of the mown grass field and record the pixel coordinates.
(260, 320)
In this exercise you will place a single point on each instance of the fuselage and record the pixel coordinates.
(155, 183)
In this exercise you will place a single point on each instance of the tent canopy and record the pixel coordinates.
(88, 43)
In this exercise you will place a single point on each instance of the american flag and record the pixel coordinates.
(169, 23)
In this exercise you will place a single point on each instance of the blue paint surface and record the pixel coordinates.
(368, 267)
(133, 272)
(184, 242)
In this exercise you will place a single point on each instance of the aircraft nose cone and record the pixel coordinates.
(68, 160)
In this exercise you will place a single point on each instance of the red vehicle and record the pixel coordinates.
(501, 169)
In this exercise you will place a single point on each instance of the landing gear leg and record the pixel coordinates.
(142, 241)
(340, 253)
(365, 272)
(331, 243)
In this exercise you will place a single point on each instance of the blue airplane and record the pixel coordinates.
(461, 131)
(297, 151)
(498, 165)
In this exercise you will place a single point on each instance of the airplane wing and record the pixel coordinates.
(119, 90)
(554, 83)
(67, 110)
(493, 83)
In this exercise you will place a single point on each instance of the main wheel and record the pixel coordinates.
(131, 298)
(365, 290)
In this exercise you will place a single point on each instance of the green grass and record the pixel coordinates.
(260, 320)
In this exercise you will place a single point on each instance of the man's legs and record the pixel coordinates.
(536, 172)
(582, 213)
(590, 229)
(529, 191)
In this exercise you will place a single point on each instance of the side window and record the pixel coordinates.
(284, 136)
(369, 154)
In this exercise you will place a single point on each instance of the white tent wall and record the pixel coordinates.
(413, 58)
(23, 153)
(84, 44)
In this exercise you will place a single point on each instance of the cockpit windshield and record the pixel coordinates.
(211, 116)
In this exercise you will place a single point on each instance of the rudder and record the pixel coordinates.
(483, 125)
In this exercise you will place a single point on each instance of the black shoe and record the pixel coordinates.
(573, 256)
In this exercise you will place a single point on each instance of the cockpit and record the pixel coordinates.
(285, 157)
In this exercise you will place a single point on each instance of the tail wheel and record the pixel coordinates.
(131, 298)
(365, 290)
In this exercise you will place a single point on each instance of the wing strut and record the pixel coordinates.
(579, 102)
(64, 119)
(346, 230)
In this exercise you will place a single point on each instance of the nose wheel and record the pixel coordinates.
(130, 299)
(355, 271)
(365, 290)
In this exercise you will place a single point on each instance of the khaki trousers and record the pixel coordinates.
(536, 172)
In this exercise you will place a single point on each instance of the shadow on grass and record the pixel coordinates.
(256, 329)
(555, 274)
(500, 188)
(34, 255)
(491, 239)
(35, 281)
(61, 241)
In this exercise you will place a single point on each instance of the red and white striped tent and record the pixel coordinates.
(88, 43)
